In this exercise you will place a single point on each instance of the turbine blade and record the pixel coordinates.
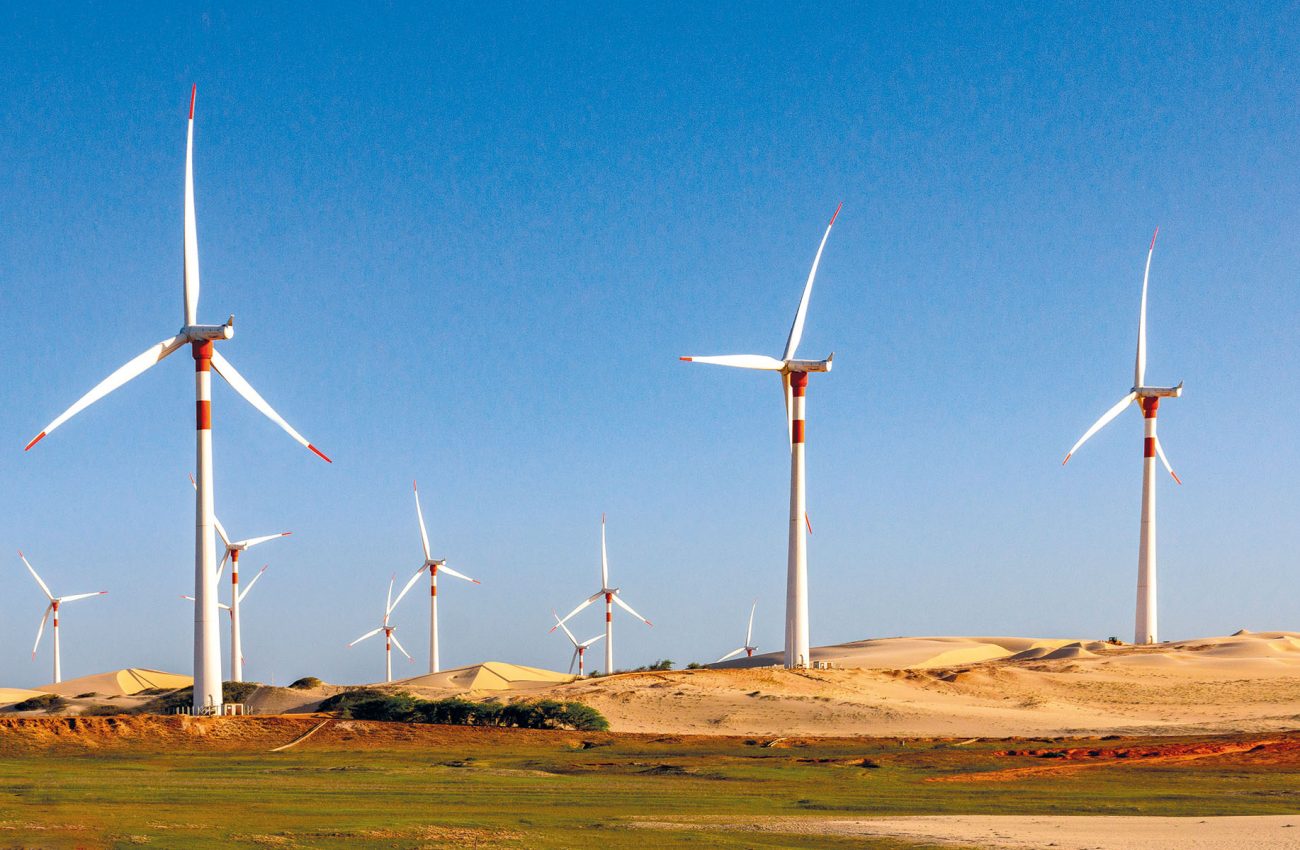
(368, 634)
(190, 598)
(569, 616)
(796, 330)
(1160, 450)
(41, 630)
(731, 654)
(388, 605)
(628, 608)
(221, 567)
(133, 368)
(244, 388)
(397, 643)
(249, 586)
(32, 570)
(221, 531)
(424, 534)
(191, 227)
(1102, 423)
(76, 596)
(223, 606)
(253, 541)
(749, 632)
(573, 659)
(590, 641)
(446, 570)
(740, 361)
(1140, 362)
(604, 557)
(560, 623)
(409, 584)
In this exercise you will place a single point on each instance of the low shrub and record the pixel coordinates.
(100, 709)
(369, 704)
(238, 691)
(306, 683)
(87, 695)
(44, 702)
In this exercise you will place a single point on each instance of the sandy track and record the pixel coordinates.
(997, 832)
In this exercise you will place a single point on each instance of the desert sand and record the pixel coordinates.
(998, 832)
(897, 687)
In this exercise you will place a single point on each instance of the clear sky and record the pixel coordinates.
(467, 244)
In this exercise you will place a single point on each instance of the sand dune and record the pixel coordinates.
(8, 696)
(126, 682)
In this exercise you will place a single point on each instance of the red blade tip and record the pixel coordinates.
(1175, 475)
(687, 359)
(1067, 459)
(35, 440)
(319, 453)
(193, 92)
(1153, 239)
(837, 213)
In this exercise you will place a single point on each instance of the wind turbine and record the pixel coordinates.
(390, 639)
(612, 598)
(434, 566)
(207, 645)
(1149, 400)
(236, 647)
(579, 647)
(748, 647)
(794, 381)
(53, 608)
(233, 550)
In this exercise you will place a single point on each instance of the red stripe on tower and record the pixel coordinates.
(1149, 447)
(203, 415)
(1149, 406)
(799, 383)
(796, 431)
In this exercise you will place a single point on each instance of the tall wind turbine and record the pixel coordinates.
(201, 338)
(390, 639)
(53, 608)
(748, 646)
(794, 382)
(233, 551)
(433, 566)
(579, 647)
(612, 598)
(236, 646)
(1149, 400)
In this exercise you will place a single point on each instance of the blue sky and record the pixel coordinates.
(467, 245)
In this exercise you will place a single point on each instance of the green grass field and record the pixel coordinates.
(546, 791)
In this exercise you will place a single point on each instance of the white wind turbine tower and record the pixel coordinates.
(794, 380)
(237, 647)
(201, 339)
(748, 646)
(53, 608)
(433, 566)
(1149, 400)
(390, 639)
(579, 647)
(612, 598)
(233, 551)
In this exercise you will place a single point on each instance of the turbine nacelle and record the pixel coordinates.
(809, 365)
(206, 333)
(1159, 392)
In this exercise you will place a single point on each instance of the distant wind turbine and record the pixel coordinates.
(53, 608)
(390, 639)
(201, 339)
(612, 598)
(433, 566)
(794, 381)
(237, 647)
(579, 647)
(233, 551)
(748, 647)
(1149, 400)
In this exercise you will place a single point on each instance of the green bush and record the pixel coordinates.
(306, 683)
(44, 702)
(370, 704)
(100, 709)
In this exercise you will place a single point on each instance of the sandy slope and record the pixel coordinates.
(973, 687)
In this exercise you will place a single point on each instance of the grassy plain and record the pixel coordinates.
(443, 787)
